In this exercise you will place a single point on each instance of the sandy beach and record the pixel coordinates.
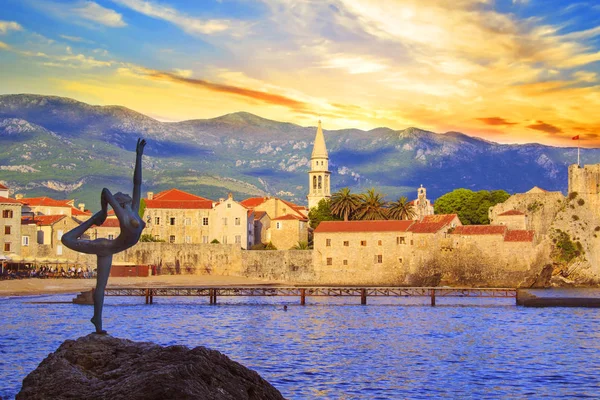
(35, 286)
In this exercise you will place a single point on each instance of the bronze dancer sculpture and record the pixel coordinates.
(126, 210)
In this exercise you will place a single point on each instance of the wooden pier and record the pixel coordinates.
(213, 293)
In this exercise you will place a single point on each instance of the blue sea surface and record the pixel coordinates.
(334, 348)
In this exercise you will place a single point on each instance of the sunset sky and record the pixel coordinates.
(509, 71)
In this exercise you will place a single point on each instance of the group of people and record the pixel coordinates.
(47, 272)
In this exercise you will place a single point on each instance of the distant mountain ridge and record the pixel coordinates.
(81, 148)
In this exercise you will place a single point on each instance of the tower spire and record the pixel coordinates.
(318, 176)
(319, 149)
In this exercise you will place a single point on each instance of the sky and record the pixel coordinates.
(510, 71)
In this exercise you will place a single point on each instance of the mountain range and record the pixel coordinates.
(64, 148)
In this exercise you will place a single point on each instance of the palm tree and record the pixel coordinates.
(343, 203)
(401, 209)
(371, 206)
(301, 246)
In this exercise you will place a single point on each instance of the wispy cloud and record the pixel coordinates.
(265, 97)
(81, 10)
(191, 25)
(6, 26)
(75, 39)
(495, 121)
(544, 127)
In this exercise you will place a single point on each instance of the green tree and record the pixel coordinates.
(147, 237)
(301, 246)
(371, 206)
(401, 209)
(142, 208)
(270, 246)
(321, 212)
(344, 203)
(472, 207)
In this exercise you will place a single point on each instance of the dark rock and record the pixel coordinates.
(104, 367)
(542, 280)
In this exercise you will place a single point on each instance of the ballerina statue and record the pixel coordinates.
(126, 210)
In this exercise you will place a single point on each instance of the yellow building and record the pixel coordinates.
(10, 224)
(293, 227)
(318, 176)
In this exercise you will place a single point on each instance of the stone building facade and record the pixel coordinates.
(422, 205)
(232, 223)
(10, 225)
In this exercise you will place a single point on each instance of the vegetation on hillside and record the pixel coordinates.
(472, 207)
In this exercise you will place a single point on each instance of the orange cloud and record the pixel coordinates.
(495, 121)
(265, 97)
(544, 127)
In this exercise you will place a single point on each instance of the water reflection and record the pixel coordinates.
(334, 348)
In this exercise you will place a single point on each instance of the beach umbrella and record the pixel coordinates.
(4, 258)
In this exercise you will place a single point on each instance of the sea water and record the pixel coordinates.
(334, 348)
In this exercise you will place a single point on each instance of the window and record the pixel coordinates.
(314, 182)
(279, 225)
(204, 239)
(379, 258)
(59, 250)
(172, 221)
(379, 243)
(7, 214)
(25, 241)
(400, 240)
(284, 210)
(238, 239)
(111, 236)
(238, 221)
(157, 221)
(188, 239)
(228, 205)
(172, 239)
(7, 230)
(363, 242)
(224, 221)
(400, 260)
(328, 242)
(346, 243)
(345, 262)
(205, 221)
(187, 221)
(329, 261)
(320, 182)
(224, 239)
(412, 242)
(6, 246)
(59, 234)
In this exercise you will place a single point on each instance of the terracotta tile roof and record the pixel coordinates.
(519, 236)
(45, 202)
(42, 220)
(364, 226)
(432, 223)
(252, 202)
(187, 204)
(480, 230)
(3, 187)
(6, 200)
(76, 212)
(259, 214)
(110, 223)
(249, 212)
(176, 195)
(289, 217)
(511, 212)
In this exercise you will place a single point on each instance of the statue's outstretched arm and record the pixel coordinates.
(107, 197)
(137, 174)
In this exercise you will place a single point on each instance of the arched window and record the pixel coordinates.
(314, 182)
(320, 184)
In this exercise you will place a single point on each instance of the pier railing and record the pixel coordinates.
(303, 292)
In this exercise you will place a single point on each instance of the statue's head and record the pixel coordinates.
(123, 199)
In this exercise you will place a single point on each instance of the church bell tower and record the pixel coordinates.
(318, 176)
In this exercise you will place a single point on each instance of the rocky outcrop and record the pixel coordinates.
(104, 367)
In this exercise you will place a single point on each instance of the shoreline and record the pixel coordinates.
(37, 286)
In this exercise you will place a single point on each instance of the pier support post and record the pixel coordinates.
(302, 297)
(215, 291)
(432, 297)
(210, 296)
(147, 296)
(363, 297)
(151, 296)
